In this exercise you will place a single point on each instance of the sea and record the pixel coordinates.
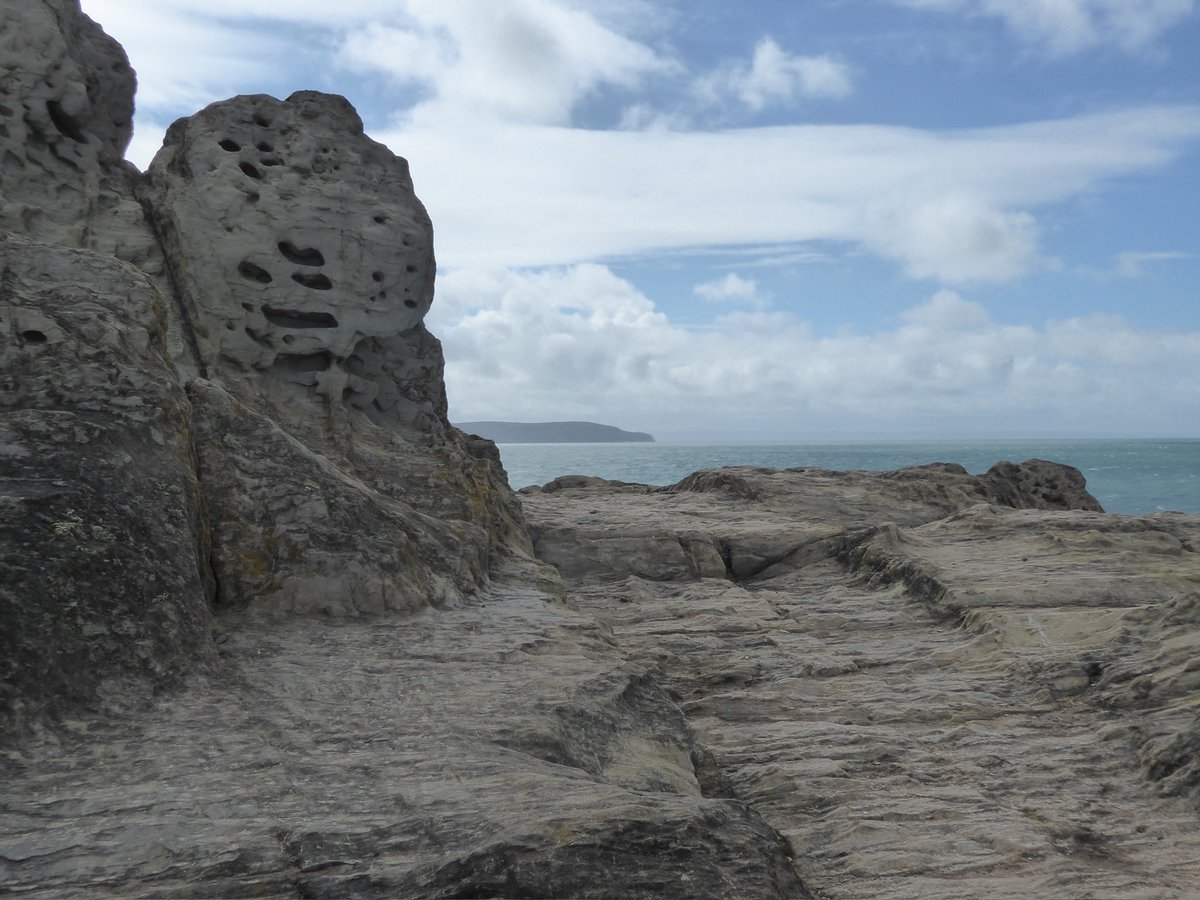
(1126, 476)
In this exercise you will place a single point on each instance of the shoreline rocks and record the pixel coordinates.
(270, 625)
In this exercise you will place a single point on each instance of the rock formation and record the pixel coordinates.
(271, 626)
(932, 684)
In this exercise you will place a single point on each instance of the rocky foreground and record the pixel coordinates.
(271, 626)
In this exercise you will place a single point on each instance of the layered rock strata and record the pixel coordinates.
(928, 693)
(222, 361)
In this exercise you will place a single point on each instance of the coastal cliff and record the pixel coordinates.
(554, 433)
(270, 625)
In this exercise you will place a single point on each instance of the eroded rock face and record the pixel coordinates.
(296, 242)
(303, 265)
(103, 562)
(66, 116)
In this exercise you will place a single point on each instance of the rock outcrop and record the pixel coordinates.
(933, 684)
(271, 626)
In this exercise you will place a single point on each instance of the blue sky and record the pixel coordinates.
(772, 219)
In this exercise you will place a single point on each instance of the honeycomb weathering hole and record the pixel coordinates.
(286, 318)
(316, 281)
(304, 362)
(250, 170)
(301, 256)
(249, 270)
(64, 123)
(231, 146)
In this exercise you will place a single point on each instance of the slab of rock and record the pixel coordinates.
(988, 701)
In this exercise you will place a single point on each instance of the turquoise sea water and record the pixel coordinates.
(1125, 476)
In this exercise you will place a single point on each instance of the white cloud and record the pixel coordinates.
(528, 61)
(955, 206)
(1063, 27)
(1133, 264)
(958, 238)
(580, 342)
(775, 77)
(731, 287)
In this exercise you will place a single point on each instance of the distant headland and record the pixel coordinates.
(553, 433)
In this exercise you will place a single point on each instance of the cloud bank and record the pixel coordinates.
(580, 342)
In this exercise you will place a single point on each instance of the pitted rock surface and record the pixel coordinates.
(66, 116)
(295, 242)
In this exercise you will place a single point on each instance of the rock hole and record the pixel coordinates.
(380, 220)
(249, 270)
(410, 269)
(377, 276)
(411, 304)
(1093, 670)
(231, 146)
(32, 336)
(306, 256)
(63, 122)
(264, 147)
(258, 336)
(286, 318)
(232, 326)
(383, 295)
(250, 170)
(248, 307)
(253, 196)
(262, 121)
(314, 280)
(271, 162)
(289, 339)
(303, 362)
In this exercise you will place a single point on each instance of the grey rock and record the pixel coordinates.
(103, 580)
(66, 116)
(924, 700)
(295, 242)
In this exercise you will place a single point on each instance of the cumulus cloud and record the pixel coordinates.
(958, 238)
(774, 77)
(1063, 27)
(527, 61)
(580, 342)
(730, 288)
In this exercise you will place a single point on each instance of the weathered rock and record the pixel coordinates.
(296, 242)
(994, 702)
(102, 557)
(501, 750)
(303, 263)
(755, 521)
(66, 116)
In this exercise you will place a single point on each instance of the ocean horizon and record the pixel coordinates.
(1128, 477)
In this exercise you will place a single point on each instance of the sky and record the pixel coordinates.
(770, 219)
